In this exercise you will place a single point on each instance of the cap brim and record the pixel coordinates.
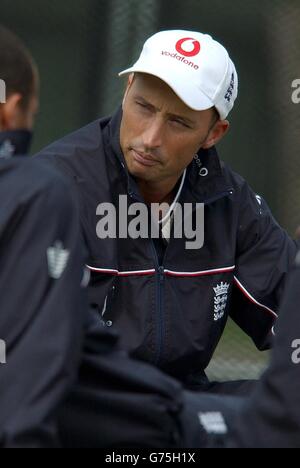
(190, 94)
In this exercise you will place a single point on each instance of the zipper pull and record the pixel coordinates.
(161, 271)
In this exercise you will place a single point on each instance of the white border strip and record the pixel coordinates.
(122, 273)
(200, 273)
(251, 298)
(167, 272)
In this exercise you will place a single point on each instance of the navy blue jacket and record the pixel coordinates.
(167, 313)
(115, 402)
(51, 335)
(42, 307)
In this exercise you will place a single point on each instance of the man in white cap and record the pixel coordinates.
(170, 298)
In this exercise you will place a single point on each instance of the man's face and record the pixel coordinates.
(160, 135)
(25, 118)
(14, 116)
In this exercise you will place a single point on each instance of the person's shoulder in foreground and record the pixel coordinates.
(42, 267)
(22, 176)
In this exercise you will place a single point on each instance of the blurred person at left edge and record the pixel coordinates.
(20, 74)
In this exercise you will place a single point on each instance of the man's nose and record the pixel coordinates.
(153, 135)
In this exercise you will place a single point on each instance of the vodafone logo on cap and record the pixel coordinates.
(183, 47)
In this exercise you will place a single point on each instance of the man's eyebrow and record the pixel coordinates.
(144, 101)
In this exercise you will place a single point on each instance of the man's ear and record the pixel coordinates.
(129, 84)
(9, 112)
(216, 134)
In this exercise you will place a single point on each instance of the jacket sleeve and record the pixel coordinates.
(44, 312)
(118, 401)
(265, 253)
(41, 301)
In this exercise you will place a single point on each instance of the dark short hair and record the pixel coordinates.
(17, 67)
(216, 115)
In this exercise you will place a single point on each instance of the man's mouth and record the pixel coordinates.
(145, 160)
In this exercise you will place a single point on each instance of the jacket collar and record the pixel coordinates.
(204, 180)
(112, 143)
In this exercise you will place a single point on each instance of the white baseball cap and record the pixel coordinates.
(196, 67)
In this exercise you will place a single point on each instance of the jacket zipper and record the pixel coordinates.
(107, 307)
(160, 282)
(160, 279)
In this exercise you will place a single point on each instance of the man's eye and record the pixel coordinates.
(141, 104)
(180, 123)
